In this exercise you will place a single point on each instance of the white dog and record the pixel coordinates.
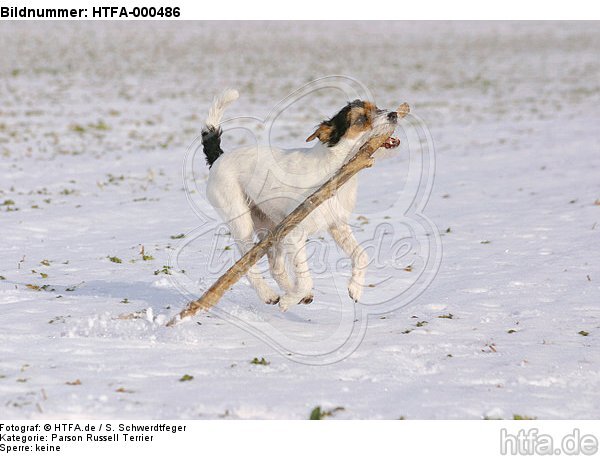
(253, 189)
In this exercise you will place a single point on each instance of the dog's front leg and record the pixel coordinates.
(342, 235)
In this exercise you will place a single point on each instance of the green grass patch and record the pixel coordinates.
(261, 362)
(523, 417)
(318, 413)
(164, 270)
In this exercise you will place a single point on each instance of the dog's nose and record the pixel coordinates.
(393, 116)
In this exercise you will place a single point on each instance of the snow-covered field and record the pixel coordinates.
(95, 120)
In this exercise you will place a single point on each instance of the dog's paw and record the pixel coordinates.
(286, 302)
(269, 296)
(355, 290)
(273, 301)
(307, 299)
(289, 300)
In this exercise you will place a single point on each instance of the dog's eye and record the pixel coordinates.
(361, 120)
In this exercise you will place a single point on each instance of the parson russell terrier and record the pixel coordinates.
(253, 189)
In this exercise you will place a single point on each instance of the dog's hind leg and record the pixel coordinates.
(277, 265)
(302, 293)
(276, 255)
(242, 231)
(234, 207)
(342, 235)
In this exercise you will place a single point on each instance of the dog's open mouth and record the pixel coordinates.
(391, 143)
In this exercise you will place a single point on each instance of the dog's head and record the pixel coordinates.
(356, 123)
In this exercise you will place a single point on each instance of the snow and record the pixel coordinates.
(95, 121)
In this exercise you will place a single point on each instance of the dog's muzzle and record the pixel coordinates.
(392, 142)
(393, 116)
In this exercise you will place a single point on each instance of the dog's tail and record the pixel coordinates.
(211, 132)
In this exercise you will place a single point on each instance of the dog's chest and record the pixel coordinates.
(277, 201)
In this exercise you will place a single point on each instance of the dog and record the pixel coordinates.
(254, 188)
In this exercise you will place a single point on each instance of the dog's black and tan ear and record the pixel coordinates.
(323, 132)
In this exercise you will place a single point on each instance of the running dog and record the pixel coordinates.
(254, 188)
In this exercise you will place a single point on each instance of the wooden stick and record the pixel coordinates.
(361, 160)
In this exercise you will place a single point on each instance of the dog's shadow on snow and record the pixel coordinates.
(136, 293)
(142, 293)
